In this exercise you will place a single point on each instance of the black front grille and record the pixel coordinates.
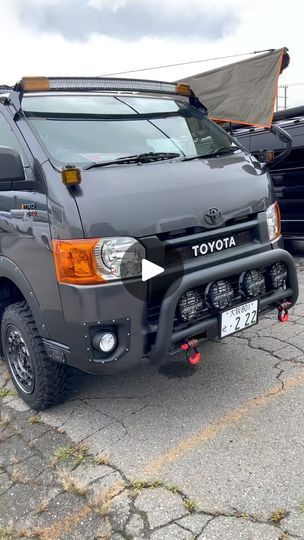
(184, 251)
(178, 233)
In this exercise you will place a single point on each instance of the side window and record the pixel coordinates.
(8, 138)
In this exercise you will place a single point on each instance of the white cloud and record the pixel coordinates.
(78, 20)
(111, 4)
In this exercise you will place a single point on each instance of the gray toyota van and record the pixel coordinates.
(131, 227)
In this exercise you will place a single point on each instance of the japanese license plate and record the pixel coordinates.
(240, 317)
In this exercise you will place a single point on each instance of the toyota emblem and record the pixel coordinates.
(213, 216)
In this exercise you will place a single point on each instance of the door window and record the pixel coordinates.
(8, 138)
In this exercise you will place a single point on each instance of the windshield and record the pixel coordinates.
(83, 129)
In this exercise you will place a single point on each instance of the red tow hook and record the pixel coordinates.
(283, 314)
(193, 355)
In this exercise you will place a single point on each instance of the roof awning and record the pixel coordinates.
(243, 92)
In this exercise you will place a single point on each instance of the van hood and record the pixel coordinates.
(158, 197)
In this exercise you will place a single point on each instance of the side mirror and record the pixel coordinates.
(11, 168)
(285, 138)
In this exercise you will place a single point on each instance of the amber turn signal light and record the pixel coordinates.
(183, 89)
(75, 261)
(35, 84)
(71, 177)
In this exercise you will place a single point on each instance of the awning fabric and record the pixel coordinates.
(243, 92)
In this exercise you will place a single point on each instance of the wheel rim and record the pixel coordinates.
(19, 360)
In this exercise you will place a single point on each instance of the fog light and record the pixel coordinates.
(252, 283)
(189, 306)
(278, 275)
(219, 294)
(104, 342)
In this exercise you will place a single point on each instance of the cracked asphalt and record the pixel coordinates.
(214, 453)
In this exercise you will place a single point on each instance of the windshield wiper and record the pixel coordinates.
(136, 158)
(218, 151)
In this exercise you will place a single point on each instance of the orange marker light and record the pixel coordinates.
(75, 261)
(71, 177)
(183, 89)
(35, 84)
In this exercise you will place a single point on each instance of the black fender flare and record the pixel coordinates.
(9, 270)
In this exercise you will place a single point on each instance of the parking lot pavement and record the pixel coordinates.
(214, 453)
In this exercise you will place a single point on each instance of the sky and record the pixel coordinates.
(97, 37)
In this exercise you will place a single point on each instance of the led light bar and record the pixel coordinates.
(72, 84)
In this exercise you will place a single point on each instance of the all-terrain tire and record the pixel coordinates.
(49, 378)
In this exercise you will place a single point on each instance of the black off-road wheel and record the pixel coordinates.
(40, 382)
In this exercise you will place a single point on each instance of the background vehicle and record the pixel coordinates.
(107, 173)
(288, 175)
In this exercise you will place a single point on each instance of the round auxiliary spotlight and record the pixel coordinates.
(277, 275)
(104, 341)
(252, 283)
(189, 305)
(219, 294)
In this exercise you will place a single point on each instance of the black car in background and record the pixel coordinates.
(288, 175)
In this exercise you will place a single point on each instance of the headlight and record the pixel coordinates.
(119, 258)
(97, 260)
(273, 221)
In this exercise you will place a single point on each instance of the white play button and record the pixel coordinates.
(150, 270)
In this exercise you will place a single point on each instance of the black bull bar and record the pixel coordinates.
(166, 337)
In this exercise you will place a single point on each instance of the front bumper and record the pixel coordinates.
(166, 337)
(89, 308)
